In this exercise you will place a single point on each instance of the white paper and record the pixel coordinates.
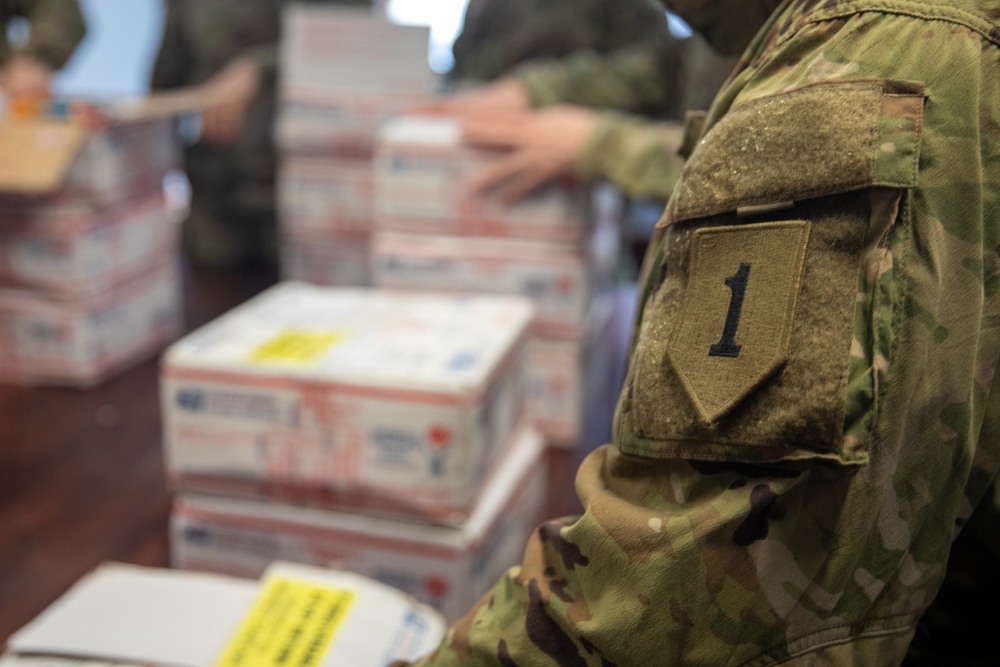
(146, 615)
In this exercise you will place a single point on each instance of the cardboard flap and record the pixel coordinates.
(35, 154)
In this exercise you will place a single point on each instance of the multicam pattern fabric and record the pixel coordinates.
(56, 28)
(810, 521)
(653, 82)
(498, 35)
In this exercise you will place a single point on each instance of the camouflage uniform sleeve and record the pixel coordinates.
(810, 414)
(646, 78)
(635, 153)
(497, 35)
(57, 26)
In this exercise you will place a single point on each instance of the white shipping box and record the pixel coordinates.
(58, 164)
(79, 342)
(336, 123)
(423, 174)
(325, 258)
(131, 615)
(563, 374)
(346, 49)
(559, 279)
(343, 73)
(394, 402)
(448, 568)
(75, 252)
(323, 195)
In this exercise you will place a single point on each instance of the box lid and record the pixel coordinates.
(37, 154)
(155, 616)
(366, 337)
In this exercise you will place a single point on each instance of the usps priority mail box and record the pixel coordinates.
(564, 374)
(82, 341)
(325, 195)
(557, 278)
(78, 251)
(447, 568)
(423, 173)
(393, 402)
(353, 50)
(57, 162)
(343, 73)
(332, 257)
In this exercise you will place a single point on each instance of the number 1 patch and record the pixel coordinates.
(735, 323)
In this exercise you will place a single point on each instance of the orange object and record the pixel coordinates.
(24, 107)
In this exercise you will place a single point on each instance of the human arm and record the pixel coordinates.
(646, 78)
(638, 155)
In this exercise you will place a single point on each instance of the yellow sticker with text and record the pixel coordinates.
(291, 624)
(297, 347)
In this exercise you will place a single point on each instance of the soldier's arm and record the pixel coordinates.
(803, 509)
(637, 154)
(645, 78)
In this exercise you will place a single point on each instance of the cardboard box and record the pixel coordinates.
(357, 398)
(336, 123)
(324, 195)
(326, 258)
(559, 279)
(563, 373)
(81, 251)
(448, 568)
(423, 173)
(80, 342)
(344, 72)
(57, 163)
(352, 50)
(131, 615)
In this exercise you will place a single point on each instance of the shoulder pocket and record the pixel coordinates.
(762, 338)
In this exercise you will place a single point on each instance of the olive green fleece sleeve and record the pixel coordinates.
(636, 154)
(646, 78)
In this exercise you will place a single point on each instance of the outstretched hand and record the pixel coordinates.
(503, 95)
(542, 145)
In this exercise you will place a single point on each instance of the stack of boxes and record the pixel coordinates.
(89, 281)
(433, 232)
(343, 72)
(370, 431)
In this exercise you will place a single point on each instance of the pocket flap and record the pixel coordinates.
(821, 139)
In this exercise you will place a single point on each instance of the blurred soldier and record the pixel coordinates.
(498, 35)
(812, 410)
(232, 46)
(56, 27)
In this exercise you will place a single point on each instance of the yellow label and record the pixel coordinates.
(296, 346)
(290, 625)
